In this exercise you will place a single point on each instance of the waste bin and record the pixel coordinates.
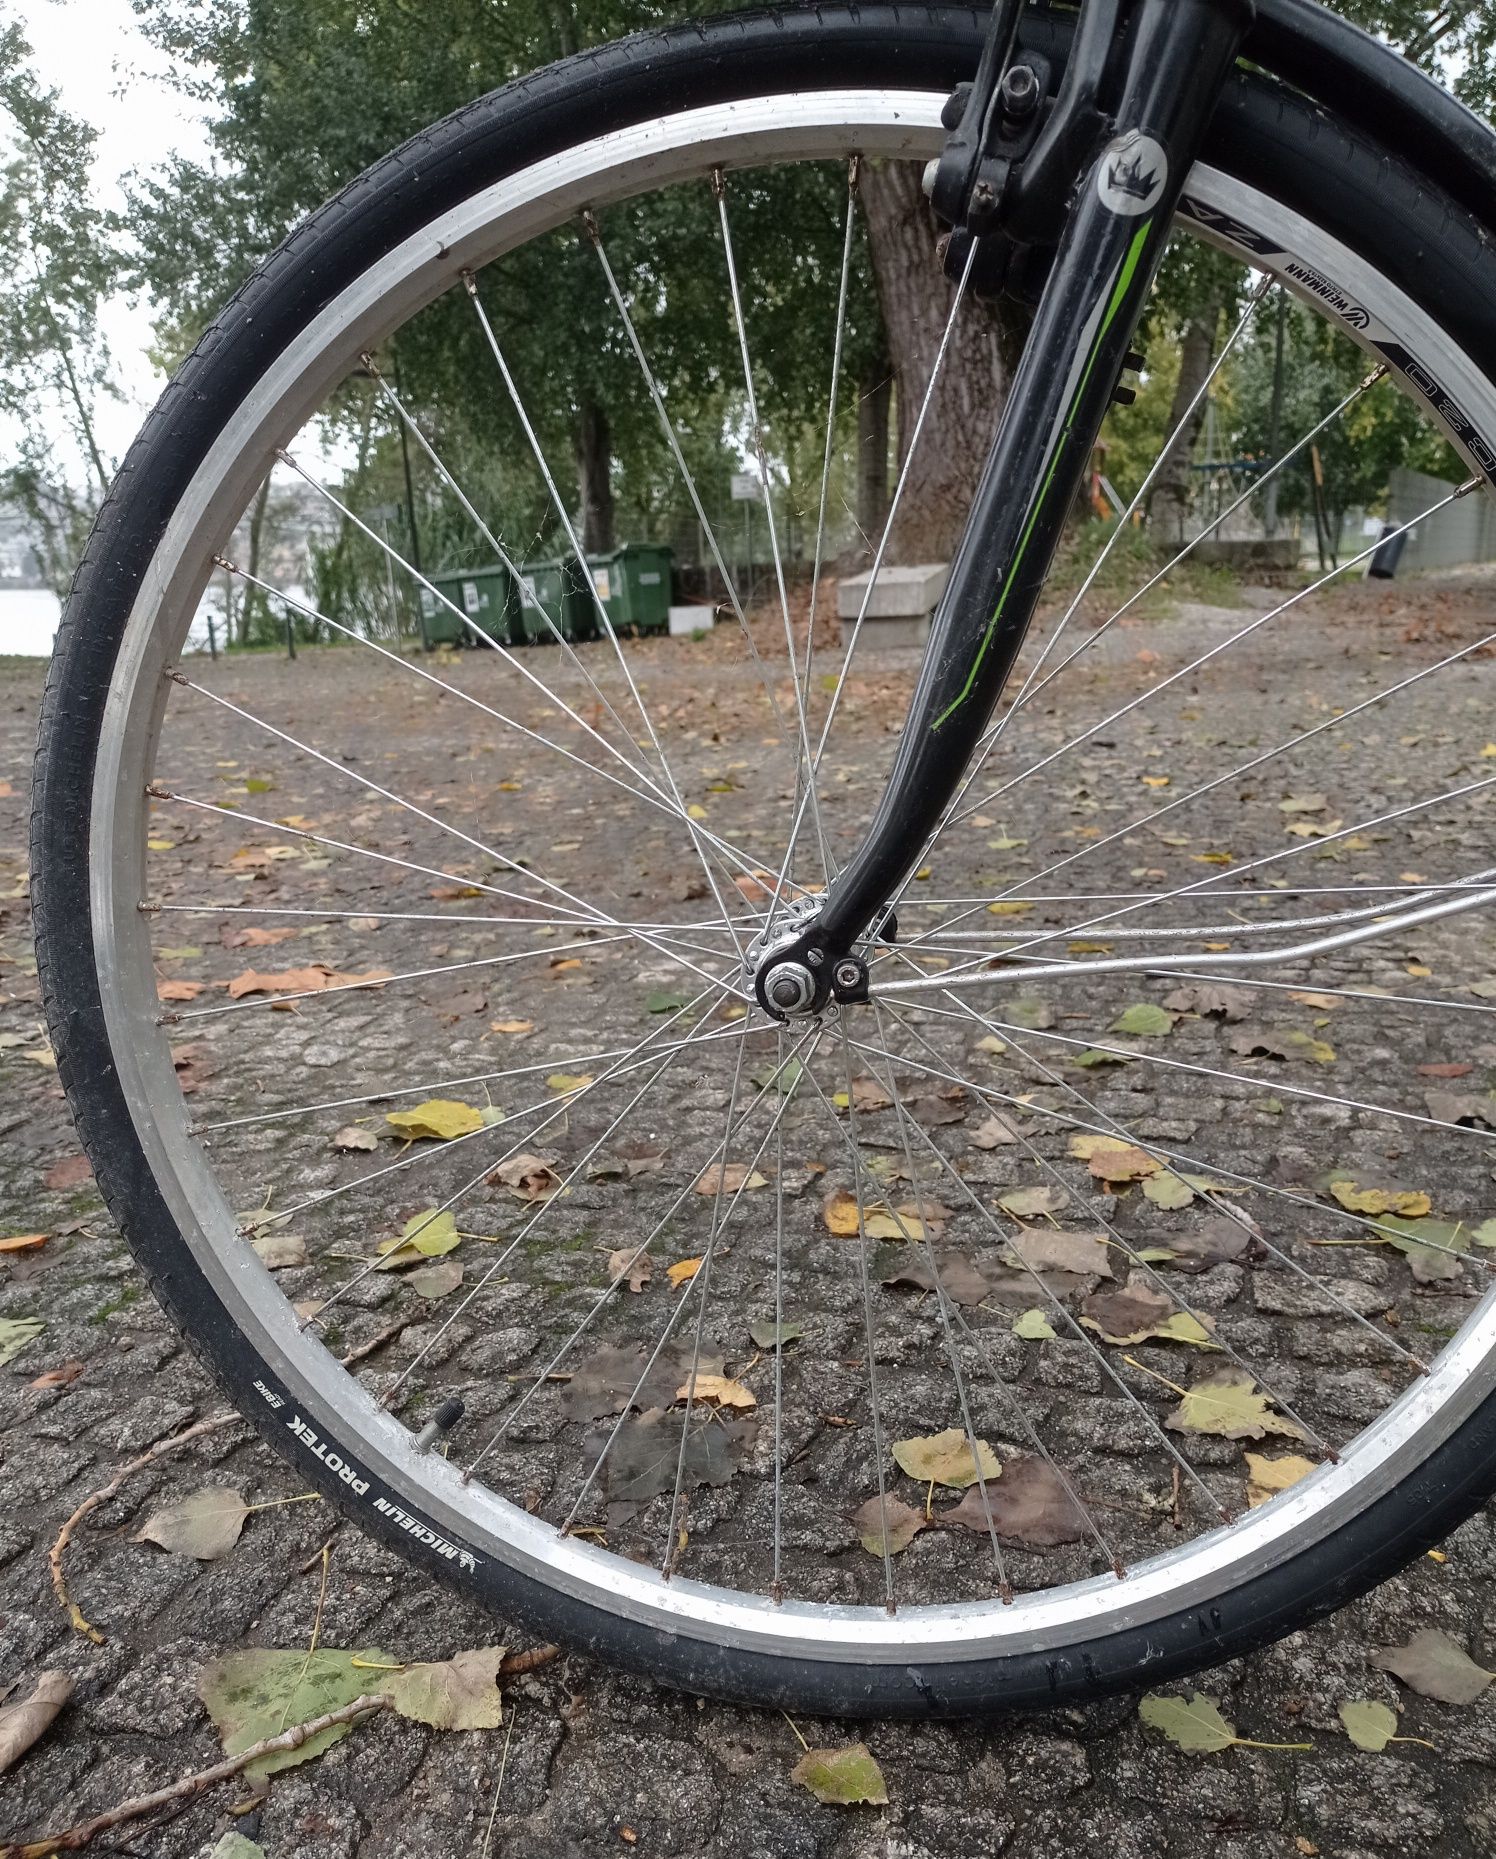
(633, 583)
(558, 586)
(485, 595)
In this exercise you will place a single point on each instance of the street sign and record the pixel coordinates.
(746, 487)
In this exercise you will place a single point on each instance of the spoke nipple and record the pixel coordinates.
(1118, 1570)
(854, 173)
(223, 562)
(776, 1593)
(719, 184)
(1005, 1594)
(1470, 484)
(1379, 373)
(470, 283)
(590, 226)
(148, 907)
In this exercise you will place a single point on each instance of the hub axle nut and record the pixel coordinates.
(791, 987)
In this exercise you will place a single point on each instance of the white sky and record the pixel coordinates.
(92, 51)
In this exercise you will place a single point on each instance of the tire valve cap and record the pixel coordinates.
(439, 1425)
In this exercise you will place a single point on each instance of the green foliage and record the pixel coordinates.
(58, 256)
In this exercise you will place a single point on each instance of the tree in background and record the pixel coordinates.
(59, 257)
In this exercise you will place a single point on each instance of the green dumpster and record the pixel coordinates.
(486, 596)
(633, 583)
(559, 587)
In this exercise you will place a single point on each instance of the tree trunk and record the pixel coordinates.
(593, 445)
(968, 398)
(874, 406)
(255, 604)
(1169, 508)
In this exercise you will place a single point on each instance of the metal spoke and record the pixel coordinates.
(807, 771)
(640, 1251)
(519, 582)
(667, 426)
(854, 171)
(558, 503)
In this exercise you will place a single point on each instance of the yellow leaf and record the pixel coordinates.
(1008, 910)
(1155, 780)
(440, 1118)
(569, 1081)
(696, 811)
(946, 1459)
(1267, 1477)
(683, 1271)
(719, 1388)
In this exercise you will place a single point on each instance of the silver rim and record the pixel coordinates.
(471, 1523)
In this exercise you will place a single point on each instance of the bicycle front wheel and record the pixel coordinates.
(907, 1362)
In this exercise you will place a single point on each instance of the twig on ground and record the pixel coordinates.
(71, 1838)
(102, 1496)
(516, 1662)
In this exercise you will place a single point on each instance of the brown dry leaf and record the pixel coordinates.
(61, 1377)
(1046, 1250)
(946, 1459)
(683, 1271)
(721, 1389)
(959, 1278)
(206, 1524)
(868, 1094)
(1218, 1000)
(351, 1138)
(71, 1172)
(511, 1026)
(1028, 1203)
(301, 980)
(1029, 1504)
(1113, 1160)
(839, 1211)
(1267, 1477)
(23, 1722)
(729, 1177)
(994, 1132)
(179, 990)
(255, 938)
(528, 1177)
(280, 1251)
(887, 1520)
(631, 1264)
(24, 1242)
(1435, 1667)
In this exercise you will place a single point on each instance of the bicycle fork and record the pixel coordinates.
(1166, 69)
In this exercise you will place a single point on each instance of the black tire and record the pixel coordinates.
(1363, 194)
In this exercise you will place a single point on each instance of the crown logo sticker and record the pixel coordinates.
(1132, 174)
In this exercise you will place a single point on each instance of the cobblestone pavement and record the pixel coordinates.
(596, 1762)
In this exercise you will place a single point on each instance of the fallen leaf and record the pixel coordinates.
(1144, 1020)
(841, 1777)
(1137, 1312)
(643, 1460)
(436, 1281)
(768, 1335)
(206, 1524)
(1028, 1203)
(426, 1235)
(887, 1519)
(683, 1271)
(351, 1137)
(1373, 1199)
(729, 1178)
(1213, 1000)
(301, 980)
(15, 1333)
(1042, 1250)
(957, 1277)
(62, 1376)
(23, 1722)
(1194, 1724)
(1168, 1191)
(722, 1390)
(567, 1082)
(179, 990)
(254, 937)
(460, 1693)
(280, 1251)
(1228, 1405)
(1267, 1477)
(528, 1177)
(1435, 1667)
(946, 1459)
(261, 1690)
(1033, 1326)
(440, 1118)
(994, 1133)
(511, 1026)
(1112, 1160)
(24, 1242)
(1029, 1504)
(631, 1265)
(1370, 1725)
